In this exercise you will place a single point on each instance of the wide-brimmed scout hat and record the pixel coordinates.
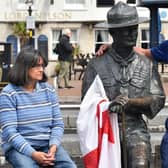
(121, 15)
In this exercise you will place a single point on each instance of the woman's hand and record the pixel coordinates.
(52, 151)
(43, 158)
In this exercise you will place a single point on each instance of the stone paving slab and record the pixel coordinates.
(74, 94)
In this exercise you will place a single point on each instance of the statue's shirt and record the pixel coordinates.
(134, 76)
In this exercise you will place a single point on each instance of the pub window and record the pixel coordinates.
(56, 34)
(75, 4)
(22, 1)
(101, 37)
(21, 5)
(105, 3)
(51, 2)
(131, 1)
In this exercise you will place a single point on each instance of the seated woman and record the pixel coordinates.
(30, 116)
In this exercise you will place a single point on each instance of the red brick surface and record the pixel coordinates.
(76, 91)
(73, 92)
(165, 85)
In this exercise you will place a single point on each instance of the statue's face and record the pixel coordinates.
(125, 36)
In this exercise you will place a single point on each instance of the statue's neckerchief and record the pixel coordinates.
(123, 70)
(123, 62)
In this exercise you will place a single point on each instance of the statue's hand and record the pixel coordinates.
(118, 104)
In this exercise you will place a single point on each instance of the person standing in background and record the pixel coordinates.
(65, 57)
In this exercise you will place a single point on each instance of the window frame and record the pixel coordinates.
(102, 42)
(55, 42)
(104, 3)
(22, 6)
(147, 40)
(76, 6)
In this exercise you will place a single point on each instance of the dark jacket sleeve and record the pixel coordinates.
(65, 49)
(160, 52)
(66, 44)
(164, 151)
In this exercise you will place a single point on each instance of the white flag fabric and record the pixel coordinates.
(98, 130)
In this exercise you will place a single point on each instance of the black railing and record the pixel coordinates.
(79, 64)
(163, 68)
(3, 84)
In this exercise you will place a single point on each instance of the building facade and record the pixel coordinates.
(51, 16)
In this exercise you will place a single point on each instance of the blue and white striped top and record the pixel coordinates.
(30, 119)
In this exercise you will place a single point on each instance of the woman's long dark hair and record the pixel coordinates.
(26, 59)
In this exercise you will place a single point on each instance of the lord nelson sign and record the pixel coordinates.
(39, 16)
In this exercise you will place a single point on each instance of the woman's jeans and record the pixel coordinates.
(18, 160)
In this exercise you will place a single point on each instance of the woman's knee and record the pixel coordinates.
(63, 159)
(18, 160)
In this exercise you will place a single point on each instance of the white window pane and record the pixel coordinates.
(75, 4)
(145, 38)
(22, 1)
(68, 1)
(75, 1)
(145, 35)
(81, 1)
(56, 35)
(74, 36)
(101, 37)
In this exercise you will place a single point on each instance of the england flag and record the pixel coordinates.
(98, 130)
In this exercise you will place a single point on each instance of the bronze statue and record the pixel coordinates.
(131, 82)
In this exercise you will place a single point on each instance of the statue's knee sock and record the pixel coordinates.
(138, 156)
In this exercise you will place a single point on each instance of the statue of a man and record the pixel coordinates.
(131, 82)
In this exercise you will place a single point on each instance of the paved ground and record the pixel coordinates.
(165, 84)
(69, 95)
(75, 93)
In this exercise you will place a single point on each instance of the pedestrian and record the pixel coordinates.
(30, 117)
(65, 58)
(131, 83)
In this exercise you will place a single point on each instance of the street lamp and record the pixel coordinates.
(29, 3)
(30, 22)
